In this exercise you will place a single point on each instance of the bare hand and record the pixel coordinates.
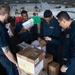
(43, 42)
(63, 69)
(48, 38)
(23, 30)
(29, 30)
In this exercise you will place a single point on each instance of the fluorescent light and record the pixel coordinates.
(27, 1)
(65, 2)
(17, 1)
(52, 1)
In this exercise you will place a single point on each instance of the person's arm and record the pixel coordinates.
(9, 55)
(4, 45)
(19, 29)
(53, 40)
(22, 30)
(55, 36)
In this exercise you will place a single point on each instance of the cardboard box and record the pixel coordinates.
(31, 60)
(53, 68)
(22, 46)
(47, 60)
(22, 72)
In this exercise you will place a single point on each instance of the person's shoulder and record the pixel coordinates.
(43, 21)
(1, 27)
(55, 20)
(19, 23)
(73, 24)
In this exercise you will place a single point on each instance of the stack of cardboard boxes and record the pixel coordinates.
(31, 60)
(47, 60)
(51, 67)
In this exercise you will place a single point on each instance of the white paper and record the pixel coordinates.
(24, 45)
(28, 23)
(7, 25)
(10, 32)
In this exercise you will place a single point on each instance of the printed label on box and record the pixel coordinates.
(39, 67)
(34, 54)
(36, 61)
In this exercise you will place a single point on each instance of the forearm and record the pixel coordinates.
(22, 30)
(9, 55)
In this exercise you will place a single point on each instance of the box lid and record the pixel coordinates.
(54, 64)
(30, 53)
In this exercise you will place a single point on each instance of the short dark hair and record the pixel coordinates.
(47, 14)
(4, 8)
(63, 15)
(34, 14)
(23, 12)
